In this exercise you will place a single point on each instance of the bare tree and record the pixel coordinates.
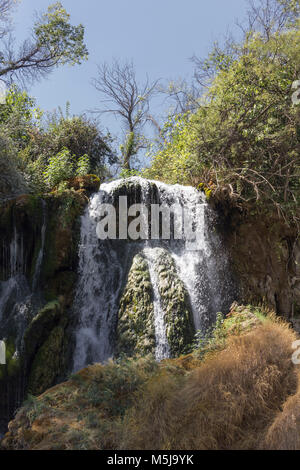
(183, 95)
(270, 16)
(126, 99)
(6, 8)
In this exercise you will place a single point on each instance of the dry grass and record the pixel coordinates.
(239, 396)
(227, 403)
(284, 433)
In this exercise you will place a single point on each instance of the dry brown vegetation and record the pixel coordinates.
(227, 403)
(241, 395)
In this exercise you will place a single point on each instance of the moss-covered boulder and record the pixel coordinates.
(137, 190)
(48, 363)
(135, 332)
(175, 303)
(63, 233)
(44, 347)
(38, 330)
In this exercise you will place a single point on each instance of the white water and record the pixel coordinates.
(100, 277)
(162, 350)
(40, 256)
(16, 297)
(103, 268)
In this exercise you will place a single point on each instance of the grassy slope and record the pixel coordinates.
(237, 391)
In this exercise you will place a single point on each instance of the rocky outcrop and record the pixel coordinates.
(36, 285)
(175, 301)
(135, 331)
(264, 254)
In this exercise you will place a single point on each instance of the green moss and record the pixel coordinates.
(176, 305)
(61, 285)
(135, 332)
(41, 325)
(63, 232)
(47, 363)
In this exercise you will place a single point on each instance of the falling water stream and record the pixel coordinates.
(19, 302)
(103, 268)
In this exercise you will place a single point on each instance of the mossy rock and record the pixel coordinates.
(135, 331)
(132, 188)
(63, 233)
(38, 330)
(48, 363)
(175, 303)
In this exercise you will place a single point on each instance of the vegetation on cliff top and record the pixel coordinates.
(243, 140)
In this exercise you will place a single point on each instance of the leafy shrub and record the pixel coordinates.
(60, 168)
(243, 141)
(83, 165)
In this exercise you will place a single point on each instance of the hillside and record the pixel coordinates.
(239, 391)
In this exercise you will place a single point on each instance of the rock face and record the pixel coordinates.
(175, 301)
(136, 322)
(38, 274)
(38, 263)
(135, 331)
(265, 257)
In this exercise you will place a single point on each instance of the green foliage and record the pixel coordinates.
(79, 135)
(60, 168)
(53, 42)
(59, 38)
(245, 135)
(239, 320)
(83, 165)
(125, 173)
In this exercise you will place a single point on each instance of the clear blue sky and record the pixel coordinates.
(158, 35)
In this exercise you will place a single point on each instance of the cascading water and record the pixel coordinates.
(162, 350)
(100, 277)
(39, 260)
(103, 269)
(18, 304)
(17, 299)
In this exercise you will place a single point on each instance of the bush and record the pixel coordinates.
(244, 138)
(83, 165)
(60, 168)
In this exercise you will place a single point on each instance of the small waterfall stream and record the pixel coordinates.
(100, 277)
(103, 268)
(162, 350)
(19, 302)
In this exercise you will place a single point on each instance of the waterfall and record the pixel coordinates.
(39, 261)
(162, 350)
(103, 267)
(100, 275)
(19, 302)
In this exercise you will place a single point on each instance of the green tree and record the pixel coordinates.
(79, 134)
(54, 42)
(59, 168)
(244, 139)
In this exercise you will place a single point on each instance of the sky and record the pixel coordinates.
(159, 36)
